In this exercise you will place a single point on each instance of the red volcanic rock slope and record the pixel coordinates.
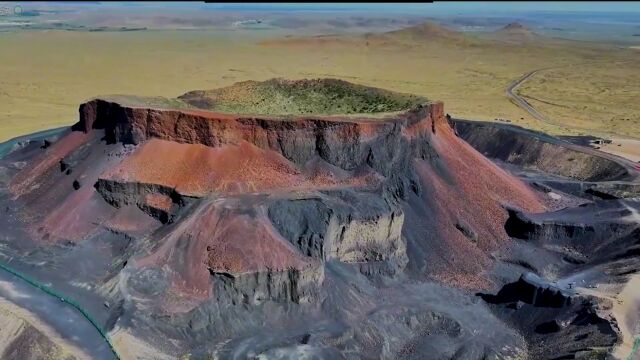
(254, 205)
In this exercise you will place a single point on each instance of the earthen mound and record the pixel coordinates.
(515, 31)
(427, 31)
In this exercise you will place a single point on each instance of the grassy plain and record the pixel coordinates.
(599, 96)
(590, 89)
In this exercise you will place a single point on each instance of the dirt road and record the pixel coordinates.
(522, 103)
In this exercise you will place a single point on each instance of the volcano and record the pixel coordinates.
(321, 217)
(516, 32)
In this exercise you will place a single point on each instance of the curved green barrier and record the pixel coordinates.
(636, 344)
(71, 302)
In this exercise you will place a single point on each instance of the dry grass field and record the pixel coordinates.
(597, 97)
(589, 88)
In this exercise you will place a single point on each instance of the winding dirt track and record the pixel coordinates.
(522, 103)
(633, 168)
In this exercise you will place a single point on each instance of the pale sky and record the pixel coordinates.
(462, 6)
(437, 7)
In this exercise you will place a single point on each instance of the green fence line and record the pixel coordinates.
(71, 302)
(636, 344)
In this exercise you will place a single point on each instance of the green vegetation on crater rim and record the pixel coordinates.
(146, 101)
(283, 97)
(298, 97)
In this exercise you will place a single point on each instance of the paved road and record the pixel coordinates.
(522, 103)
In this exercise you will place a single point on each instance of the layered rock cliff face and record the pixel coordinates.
(529, 149)
(341, 141)
(605, 233)
(366, 229)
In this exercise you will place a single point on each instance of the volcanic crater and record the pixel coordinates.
(236, 222)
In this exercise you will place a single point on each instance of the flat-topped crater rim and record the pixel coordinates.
(216, 115)
(282, 99)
